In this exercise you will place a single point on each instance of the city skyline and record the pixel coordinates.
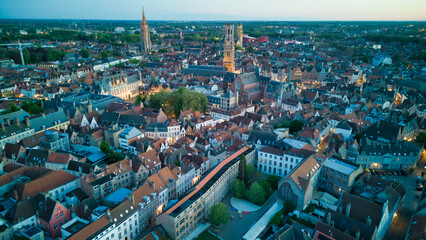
(191, 10)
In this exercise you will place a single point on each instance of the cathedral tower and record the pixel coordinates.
(145, 37)
(239, 35)
(229, 48)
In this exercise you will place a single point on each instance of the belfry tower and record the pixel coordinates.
(145, 37)
(239, 35)
(229, 48)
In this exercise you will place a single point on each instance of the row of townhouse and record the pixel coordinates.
(190, 212)
(121, 222)
(125, 173)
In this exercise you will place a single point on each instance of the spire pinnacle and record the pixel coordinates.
(143, 16)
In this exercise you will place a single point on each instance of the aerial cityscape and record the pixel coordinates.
(196, 120)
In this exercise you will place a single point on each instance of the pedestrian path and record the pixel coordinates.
(261, 224)
(243, 205)
(198, 231)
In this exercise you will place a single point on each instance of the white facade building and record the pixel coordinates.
(278, 162)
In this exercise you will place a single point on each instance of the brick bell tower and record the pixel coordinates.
(229, 48)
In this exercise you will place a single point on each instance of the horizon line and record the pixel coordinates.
(171, 20)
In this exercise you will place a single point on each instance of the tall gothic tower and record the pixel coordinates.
(239, 35)
(229, 48)
(145, 38)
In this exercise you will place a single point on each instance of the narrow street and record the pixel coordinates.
(402, 219)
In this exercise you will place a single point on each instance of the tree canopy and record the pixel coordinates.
(256, 194)
(182, 99)
(219, 214)
(112, 155)
(239, 188)
(294, 126)
(242, 169)
(32, 107)
(105, 147)
(421, 138)
(84, 53)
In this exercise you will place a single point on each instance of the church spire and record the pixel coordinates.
(143, 16)
(145, 36)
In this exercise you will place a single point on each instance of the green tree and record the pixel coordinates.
(293, 126)
(32, 107)
(134, 61)
(84, 53)
(251, 172)
(364, 59)
(117, 53)
(273, 180)
(218, 214)
(239, 188)
(289, 206)
(256, 194)
(105, 147)
(114, 157)
(421, 138)
(138, 100)
(142, 64)
(158, 99)
(266, 187)
(105, 54)
(276, 219)
(250, 49)
(182, 99)
(13, 107)
(296, 126)
(242, 169)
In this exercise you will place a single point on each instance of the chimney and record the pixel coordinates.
(369, 221)
(43, 115)
(85, 207)
(131, 198)
(108, 213)
(17, 120)
(2, 125)
(328, 218)
(27, 120)
(348, 209)
(153, 185)
(358, 233)
(8, 121)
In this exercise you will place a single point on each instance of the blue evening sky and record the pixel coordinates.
(294, 10)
